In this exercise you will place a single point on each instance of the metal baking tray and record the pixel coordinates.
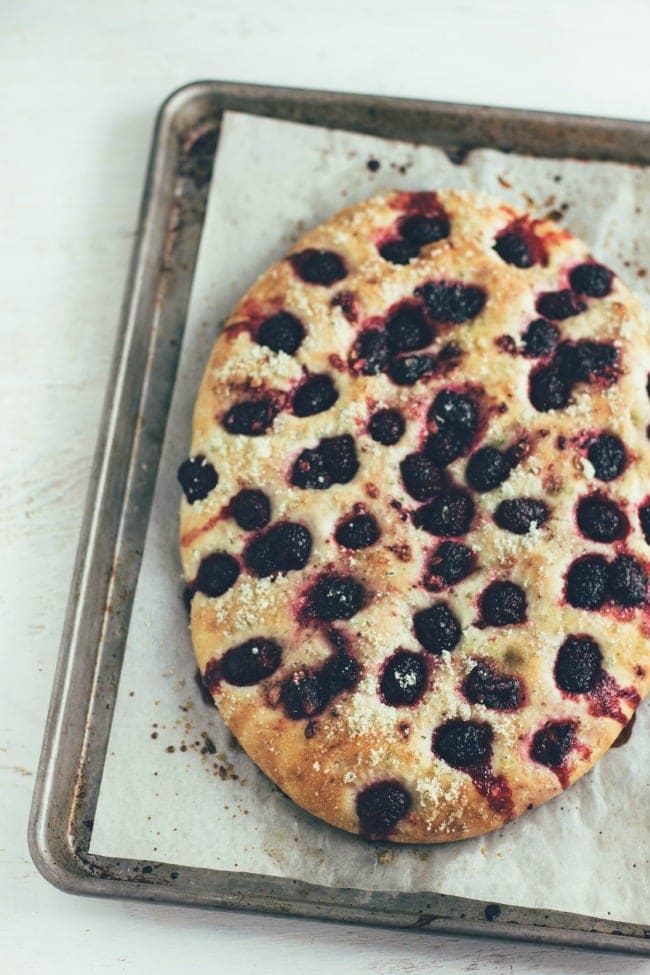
(121, 490)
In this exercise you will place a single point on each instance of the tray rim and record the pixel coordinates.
(65, 864)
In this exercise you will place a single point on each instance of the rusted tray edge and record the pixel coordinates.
(57, 848)
(253, 893)
(50, 833)
(464, 127)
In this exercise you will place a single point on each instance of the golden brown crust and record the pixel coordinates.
(325, 762)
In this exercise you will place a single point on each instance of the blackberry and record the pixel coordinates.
(437, 628)
(315, 395)
(591, 279)
(463, 744)
(503, 603)
(359, 531)
(486, 469)
(513, 249)
(553, 742)
(420, 229)
(386, 427)
(340, 673)
(452, 302)
(407, 329)
(335, 597)
(197, 477)
(456, 413)
(250, 662)
(318, 266)
(448, 515)
(309, 471)
(586, 582)
(519, 515)
(627, 581)
(558, 305)
(340, 457)
(451, 562)
(399, 251)
(406, 370)
(369, 353)
(578, 665)
(600, 519)
(281, 333)
(251, 509)
(284, 547)
(483, 685)
(403, 678)
(381, 806)
(607, 455)
(252, 418)
(548, 389)
(420, 476)
(540, 338)
(303, 695)
(217, 574)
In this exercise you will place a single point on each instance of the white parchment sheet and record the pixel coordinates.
(176, 788)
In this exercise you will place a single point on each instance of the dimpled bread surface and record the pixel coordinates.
(404, 643)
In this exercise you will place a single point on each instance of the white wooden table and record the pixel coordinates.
(81, 83)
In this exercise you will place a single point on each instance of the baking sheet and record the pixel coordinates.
(175, 787)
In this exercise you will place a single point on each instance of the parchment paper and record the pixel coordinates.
(176, 787)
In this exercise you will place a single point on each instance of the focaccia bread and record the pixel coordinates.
(416, 517)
